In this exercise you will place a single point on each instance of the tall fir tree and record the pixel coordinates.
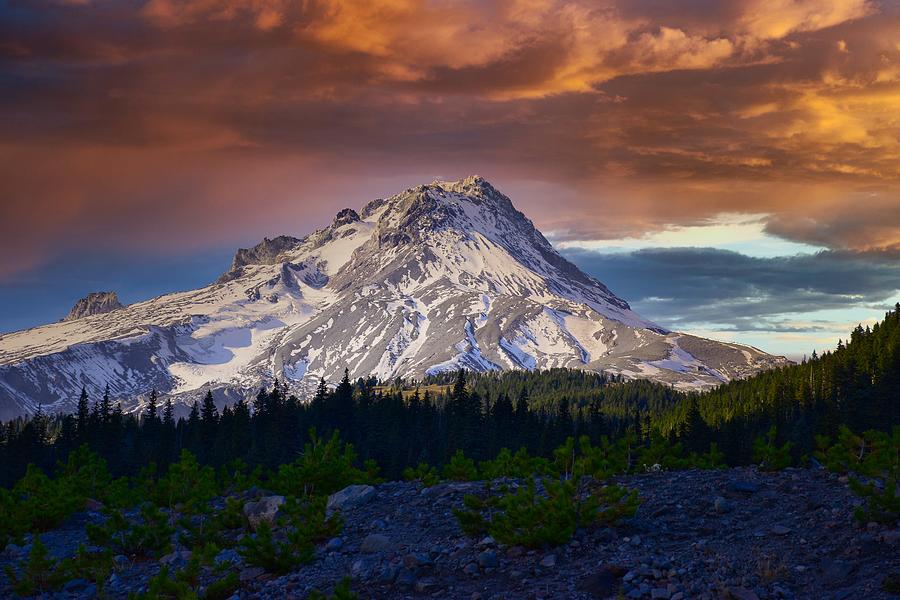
(83, 414)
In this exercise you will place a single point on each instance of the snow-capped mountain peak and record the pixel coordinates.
(438, 277)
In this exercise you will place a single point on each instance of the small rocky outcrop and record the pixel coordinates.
(264, 253)
(350, 496)
(263, 510)
(95, 303)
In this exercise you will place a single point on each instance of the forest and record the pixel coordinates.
(401, 424)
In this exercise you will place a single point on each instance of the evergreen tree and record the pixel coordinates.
(105, 407)
(168, 413)
(83, 414)
(209, 414)
(151, 406)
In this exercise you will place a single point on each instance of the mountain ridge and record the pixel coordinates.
(441, 276)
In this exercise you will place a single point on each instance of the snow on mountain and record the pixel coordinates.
(438, 277)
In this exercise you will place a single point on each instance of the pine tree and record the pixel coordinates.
(194, 416)
(168, 413)
(83, 413)
(209, 414)
(105, 407)
(343, 408)
(151, 406)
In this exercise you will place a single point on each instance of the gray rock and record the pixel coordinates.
(388, 574)
(375, 543)
(425, 585)
(250, 573)
(780, 529)
(471, 569)
(350, 496)
(722, 505)
(362, 568)
(76, 585)
(836, 572)
(488, 559)
(742, 487)
(334, 544)
(659, 594)
(417, 559)
(406, 578)
(263, 510)
(176, 558)
(741, 593)
(228, 556)
(549, 561)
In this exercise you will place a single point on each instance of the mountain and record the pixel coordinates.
(436, 278)
(95, 303)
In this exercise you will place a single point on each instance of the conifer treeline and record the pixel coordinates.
(856, 385)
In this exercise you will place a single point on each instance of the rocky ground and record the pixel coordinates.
(739, 534)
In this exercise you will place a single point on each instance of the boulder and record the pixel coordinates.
(375, 543)
(263, 510)
(349, 497)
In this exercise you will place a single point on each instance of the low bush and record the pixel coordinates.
(423, 472)
(324, 467)
(304, 524)
(460, 468)
(527, 517)
(769, 455)
(872, 460)
(149, 536)
(519, 465)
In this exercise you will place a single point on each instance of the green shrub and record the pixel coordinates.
(148, 537)
(605, 460)
(223, 588)
(323, 468)
(423, 472)
(341, 591)
(95, 567)
(713, 459)
(186, 487)
(891, 583)
(527, 518)
(460, 468)
(183, 584)
(873, 462)
(42, 503)
(38, 573)
(769, 455)
(237, 476)
(42, 573)
(305, 525)
(519, 465)
(662, 453)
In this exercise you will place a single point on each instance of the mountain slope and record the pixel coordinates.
(438, 277)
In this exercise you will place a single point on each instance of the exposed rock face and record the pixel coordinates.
(95, 303)
(439, 277)
(264, 253)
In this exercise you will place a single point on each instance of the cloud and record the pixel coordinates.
(124, 123)
(687, 288)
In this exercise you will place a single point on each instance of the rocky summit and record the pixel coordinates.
(439, 277)
(95, 303)
(735, 534)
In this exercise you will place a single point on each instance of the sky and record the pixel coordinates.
(730, 167)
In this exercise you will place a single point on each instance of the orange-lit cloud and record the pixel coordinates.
(130, 124)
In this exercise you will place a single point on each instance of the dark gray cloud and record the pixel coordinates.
(685, 287)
